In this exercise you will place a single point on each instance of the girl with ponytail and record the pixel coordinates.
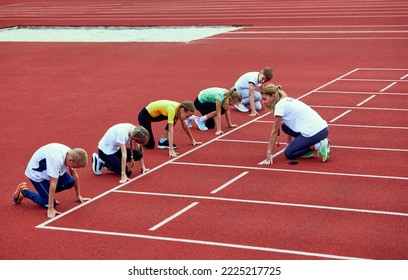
(212, 103)
(114, 154)
(170, 111)
(298, 121)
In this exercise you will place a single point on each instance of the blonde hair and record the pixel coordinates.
(276, 92)
(234, 95)
(188, 106)
(140, 133)
(79, 156)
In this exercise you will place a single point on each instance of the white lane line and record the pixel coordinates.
(366, 100)
(361, 108)
(274, 203)
(173, 216)
(362, 92)
(324, 173)
(230, 182)
(387, 87)
(371, 126)
(342, 115)
(202, 242)
(333, 146)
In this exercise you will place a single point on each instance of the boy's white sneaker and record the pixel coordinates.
(241, 107)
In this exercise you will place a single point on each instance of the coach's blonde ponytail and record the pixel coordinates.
(275, 91)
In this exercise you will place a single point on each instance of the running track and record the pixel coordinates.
(346, 59)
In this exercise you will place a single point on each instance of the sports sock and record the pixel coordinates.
(203, 118)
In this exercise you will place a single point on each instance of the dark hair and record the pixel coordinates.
(268, 73)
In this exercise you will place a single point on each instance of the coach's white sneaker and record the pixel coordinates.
(325, 149)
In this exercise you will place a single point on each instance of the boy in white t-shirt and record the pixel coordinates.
(47, 171)
(246, 85)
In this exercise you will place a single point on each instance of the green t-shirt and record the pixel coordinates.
(211, 95)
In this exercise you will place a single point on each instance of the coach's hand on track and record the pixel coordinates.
(268, 160)
(265, 162)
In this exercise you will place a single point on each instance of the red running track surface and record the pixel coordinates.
(334, 56)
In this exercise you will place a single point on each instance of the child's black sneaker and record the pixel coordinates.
(165, 145)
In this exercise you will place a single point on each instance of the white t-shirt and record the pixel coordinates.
(246, 79)
(48, 161)
(114, 137)
(299, 117)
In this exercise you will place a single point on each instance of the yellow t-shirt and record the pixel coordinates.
(163, 107)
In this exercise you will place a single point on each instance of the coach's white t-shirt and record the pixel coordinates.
(114, 137)
(299, 117)
(48, 161)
